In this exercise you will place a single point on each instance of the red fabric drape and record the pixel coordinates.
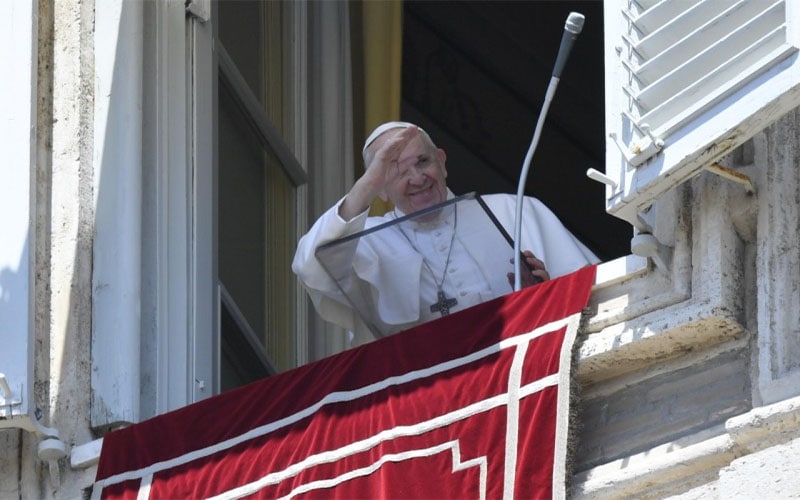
(462, 407)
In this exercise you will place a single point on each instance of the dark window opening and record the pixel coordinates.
(475, 75)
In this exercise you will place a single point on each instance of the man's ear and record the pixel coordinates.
(443, 160)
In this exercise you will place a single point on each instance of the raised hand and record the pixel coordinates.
(383, 169)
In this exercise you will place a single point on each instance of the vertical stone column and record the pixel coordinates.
(65, 226)
(777, 155)
(717, 248)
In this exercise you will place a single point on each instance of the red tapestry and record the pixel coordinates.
(466, 406)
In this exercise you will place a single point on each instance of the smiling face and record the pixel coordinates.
(422, 173)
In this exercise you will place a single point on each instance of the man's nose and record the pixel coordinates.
(416, 176)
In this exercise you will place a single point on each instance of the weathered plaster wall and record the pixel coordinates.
(777, 153)
(771, 473)
(71, 229)
(10, 443)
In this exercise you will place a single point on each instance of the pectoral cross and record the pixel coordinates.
(443, 305)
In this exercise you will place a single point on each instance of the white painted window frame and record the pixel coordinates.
(202, 365)
(174, 258)
(186, 317)
(185, 292)
(116, 266)
(18, 138)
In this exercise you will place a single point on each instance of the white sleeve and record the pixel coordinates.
(389, 287)
(330, 226)
(320, 286)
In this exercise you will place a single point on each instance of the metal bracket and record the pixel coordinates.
(638, 153)
(51, 449)
(602, 178)
(732, 175)
(8, 400)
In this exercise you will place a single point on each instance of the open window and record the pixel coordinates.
(249, 197)
(474, 76)
(257, 180)
(221, 198)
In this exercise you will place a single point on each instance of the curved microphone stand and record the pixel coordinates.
(572, 29)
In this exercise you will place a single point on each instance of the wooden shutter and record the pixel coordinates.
(687, 81)
(18, 139)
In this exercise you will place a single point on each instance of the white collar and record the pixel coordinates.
(425, 225)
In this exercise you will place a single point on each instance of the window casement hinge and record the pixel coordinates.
(51, 449)
(200, 9)
(8, 400)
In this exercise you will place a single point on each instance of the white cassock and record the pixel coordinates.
(388, 273)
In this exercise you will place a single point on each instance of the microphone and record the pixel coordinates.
(572, 29)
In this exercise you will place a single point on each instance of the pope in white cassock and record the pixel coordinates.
(417, 271)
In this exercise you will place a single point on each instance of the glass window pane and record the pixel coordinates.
(239, 364)
(241, 212)
(252, 34)
(256, 201)
(256, 233)
(240, 29)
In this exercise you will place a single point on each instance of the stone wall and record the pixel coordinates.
(689, 369)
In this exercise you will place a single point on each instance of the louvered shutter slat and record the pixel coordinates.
(716, 29)
(660, 13)
(648, 4)
(680, 26)
(715, 84)
(737, 51)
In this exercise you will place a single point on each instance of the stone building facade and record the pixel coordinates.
(688, 364)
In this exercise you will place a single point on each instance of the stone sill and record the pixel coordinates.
(654, 338)
(669, 469)
(625, 335)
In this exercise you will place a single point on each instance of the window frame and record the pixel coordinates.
(211, 66)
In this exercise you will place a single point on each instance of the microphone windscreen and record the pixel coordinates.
(574, 22)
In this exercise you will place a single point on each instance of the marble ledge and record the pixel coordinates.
(671, 467)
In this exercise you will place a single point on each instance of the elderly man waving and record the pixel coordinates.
(417, 273)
